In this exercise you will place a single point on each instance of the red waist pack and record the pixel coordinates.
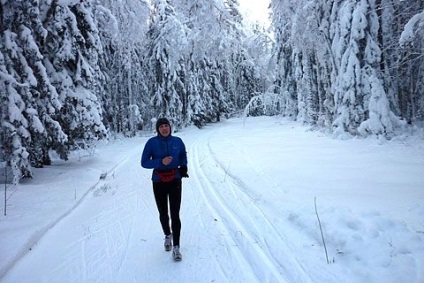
(166, 176)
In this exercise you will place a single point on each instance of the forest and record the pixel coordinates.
(73, 72)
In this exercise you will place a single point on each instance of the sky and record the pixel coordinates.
(267, 200)
(255, 10)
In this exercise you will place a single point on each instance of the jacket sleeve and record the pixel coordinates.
(183, 154)
(146, 158)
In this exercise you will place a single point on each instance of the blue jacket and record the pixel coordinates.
(157, 148)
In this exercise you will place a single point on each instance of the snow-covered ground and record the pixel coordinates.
(248, 212)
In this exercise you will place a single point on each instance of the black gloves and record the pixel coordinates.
(183, 171)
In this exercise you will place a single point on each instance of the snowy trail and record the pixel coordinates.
(89, 243)
(114, 235)
(247, 232)
(62, 180)
(258, 240)
(244, 219)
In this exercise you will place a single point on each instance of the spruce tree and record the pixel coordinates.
(164, 63)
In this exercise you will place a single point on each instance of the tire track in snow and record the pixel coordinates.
(246, 229)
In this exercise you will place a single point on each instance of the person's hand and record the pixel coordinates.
(183, 171)
(166, 160)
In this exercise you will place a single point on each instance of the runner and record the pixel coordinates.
(166, 155)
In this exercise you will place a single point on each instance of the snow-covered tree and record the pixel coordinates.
(167, 44)
(123, 27)
(206, 40)
(349, 46)
(214, 37)
(71, 69)
(284, 55)
(411, 60)
(49, 80)
(359, 81)
(74, 46)
(30, 102)
(336, 60)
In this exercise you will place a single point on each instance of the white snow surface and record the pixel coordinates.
(248, 211)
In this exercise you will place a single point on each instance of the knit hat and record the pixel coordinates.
(161, 121)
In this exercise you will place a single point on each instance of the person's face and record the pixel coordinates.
(164, 130)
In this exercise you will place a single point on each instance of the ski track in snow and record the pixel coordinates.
(248, 247)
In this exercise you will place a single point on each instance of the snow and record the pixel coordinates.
(255, 11)
(248, 211)
(411, 28)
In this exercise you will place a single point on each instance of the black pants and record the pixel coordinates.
(171, 192)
